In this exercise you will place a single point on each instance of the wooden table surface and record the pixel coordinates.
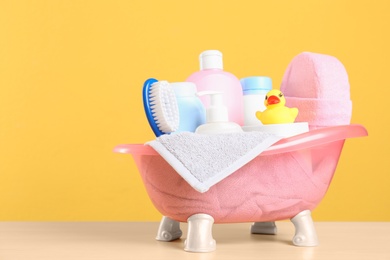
(135, 240)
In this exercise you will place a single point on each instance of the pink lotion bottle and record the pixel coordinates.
(212, 77)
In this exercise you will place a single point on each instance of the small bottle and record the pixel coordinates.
(191, 110)
(212, 77)
(254, 90)
(217, 116)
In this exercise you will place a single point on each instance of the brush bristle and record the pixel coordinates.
(164, 108)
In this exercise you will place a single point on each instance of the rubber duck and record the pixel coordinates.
(276, 112)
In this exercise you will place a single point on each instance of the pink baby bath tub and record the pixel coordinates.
(286, 181)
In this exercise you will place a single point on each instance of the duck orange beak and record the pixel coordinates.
(272, 100)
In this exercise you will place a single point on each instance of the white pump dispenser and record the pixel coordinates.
(217, 119)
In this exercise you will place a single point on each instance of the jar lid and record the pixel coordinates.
(256, 83)
(184, 88)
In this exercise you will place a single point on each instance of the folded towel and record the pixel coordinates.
(205, 160)
(321, 112)
(317, 84)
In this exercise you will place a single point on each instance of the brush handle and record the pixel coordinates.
(148, 110)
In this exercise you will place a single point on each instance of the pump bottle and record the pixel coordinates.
(217, 116)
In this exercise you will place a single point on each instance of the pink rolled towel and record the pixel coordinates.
(318, 86)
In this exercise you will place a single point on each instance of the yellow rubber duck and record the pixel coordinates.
(276, 112)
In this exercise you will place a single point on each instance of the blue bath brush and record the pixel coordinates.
(160, 106)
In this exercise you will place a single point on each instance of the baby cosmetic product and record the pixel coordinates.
(217, 116)
(254, 90)
(212, 77)
(191, 110)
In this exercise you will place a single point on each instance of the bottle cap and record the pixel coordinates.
(216, 112)
(211, 59)
(256, 85)
(184, 89)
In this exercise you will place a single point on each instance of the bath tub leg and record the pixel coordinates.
(268, 228)
(199, 237)
(168, 230)
(305, 233)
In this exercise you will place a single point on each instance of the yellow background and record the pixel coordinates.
(71, 74)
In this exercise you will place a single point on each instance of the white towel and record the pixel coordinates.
(204, 160)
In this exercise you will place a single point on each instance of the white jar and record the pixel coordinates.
(254, 90)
